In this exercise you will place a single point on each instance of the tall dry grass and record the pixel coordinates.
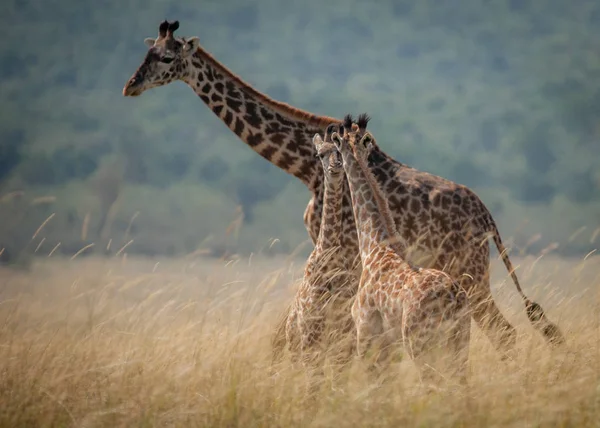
(127, 343)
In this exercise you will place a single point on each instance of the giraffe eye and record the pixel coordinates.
(167, 59)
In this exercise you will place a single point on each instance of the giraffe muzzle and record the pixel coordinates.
(133, 87)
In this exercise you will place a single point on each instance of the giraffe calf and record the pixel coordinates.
(318, 320)
(424, 308)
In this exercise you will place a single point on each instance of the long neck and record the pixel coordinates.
(375, 225)
(330, 232)
(277, 131)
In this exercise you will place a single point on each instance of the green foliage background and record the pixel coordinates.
(500, 95)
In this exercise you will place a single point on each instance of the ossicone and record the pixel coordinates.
(166, 28)
(348, 121)
(363, 120)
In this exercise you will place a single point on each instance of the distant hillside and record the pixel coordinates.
(503, 96)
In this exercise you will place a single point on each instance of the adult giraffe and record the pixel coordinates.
(441, 219)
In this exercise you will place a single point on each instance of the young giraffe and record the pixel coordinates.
(425, 308)
(326, 270)
(444, 220)
(319, 314)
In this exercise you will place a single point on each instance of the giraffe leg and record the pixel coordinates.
(483, 308)
(292, 335)
(369, 329)
(309, 342)
(340, 341)
(348, 344)
(341, 338)
(384, 344)
(459, 346)
(312, 356)
(416, 333)
(413, 348)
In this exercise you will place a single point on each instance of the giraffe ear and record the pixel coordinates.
(191, 45)
(335, 137)
(367, 141)
(149, 41)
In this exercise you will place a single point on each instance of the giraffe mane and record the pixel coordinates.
(383, 208)
(283, 108)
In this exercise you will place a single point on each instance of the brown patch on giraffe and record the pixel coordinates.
(233, 104)
(284, 121)
(232, 90)
(239, 127)
(415, 206)
(306, 169)
(209, 74)
(278, 139)
(266, 114)
(251, 116)
(228, 119)
(268, 152)
(255, 139)
(287, 160)
(276, 128)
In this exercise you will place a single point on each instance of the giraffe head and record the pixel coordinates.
(329, 155)
(168, 59)
(354, 135)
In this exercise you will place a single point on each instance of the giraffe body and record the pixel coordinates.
(443, 221)
(397, 301)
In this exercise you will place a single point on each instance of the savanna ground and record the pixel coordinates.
(129, 342)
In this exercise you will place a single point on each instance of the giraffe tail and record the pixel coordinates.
(535, 313)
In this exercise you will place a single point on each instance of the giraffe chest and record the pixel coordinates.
(326, 279)
(349, 236)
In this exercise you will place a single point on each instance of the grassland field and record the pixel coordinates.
(131, 342)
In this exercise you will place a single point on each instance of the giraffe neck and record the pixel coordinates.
(375, 225)
(276, 131)
(330, 232)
